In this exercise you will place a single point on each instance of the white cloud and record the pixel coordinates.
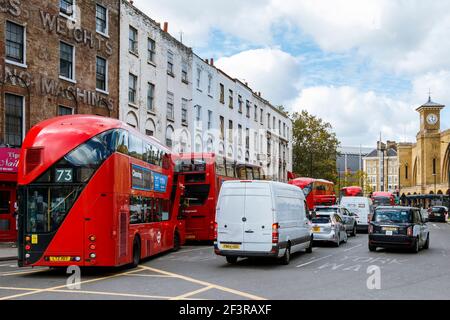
(271, 71)
(359, 117)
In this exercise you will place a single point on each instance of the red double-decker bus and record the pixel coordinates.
(95, 192)
(352, 192)
(203, 175)
(317, 192)
(383, 199)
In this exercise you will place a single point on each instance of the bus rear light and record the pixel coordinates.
(28, 238)
(33, 159)
(27, 256)
(92, 247)
(93, 256)
(92, 238)
(216, 227)
(28, 247)
(275, 233)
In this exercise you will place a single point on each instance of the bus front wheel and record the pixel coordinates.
(176, 242)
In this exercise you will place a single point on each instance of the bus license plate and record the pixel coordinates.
(60, 259)
(231, 246)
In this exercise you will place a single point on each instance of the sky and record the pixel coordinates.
(364, 66)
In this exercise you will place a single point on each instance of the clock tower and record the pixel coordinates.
(430, 117)
(428, 155)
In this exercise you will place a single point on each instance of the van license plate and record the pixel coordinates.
(230, 246)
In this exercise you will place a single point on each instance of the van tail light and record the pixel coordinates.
(370, 229)
(33, 159)
(216, 227)
(410, 232)
(275, 233)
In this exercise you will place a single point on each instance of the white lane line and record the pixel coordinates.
(349, 249)
(192, 250)
(315, 260)
(15, 273)
(192, 293)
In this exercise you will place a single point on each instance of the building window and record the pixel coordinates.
(101, 19)
(240, 102)
(247, 138)
(209, 83)
(274, 123)
(149, 133)
(14, 120)
(151, 47)
(170, 63)
(210, 119)
(279, 127)
(64, 111)
(133, 40)
(15, 42)
(199, 77)
(66, 7)
(184, 72)
(434, 167)
(230, 102)
(198, 116)
(169, 136)
(66, 61)
(184, 111)
(240, 134)
(151, 97)
(256, 113)
(102, 71)
(406, 172)
(222, 128)
(248, 109)
(222, 93)
(170, 104)
(132, 88)
(230, 131)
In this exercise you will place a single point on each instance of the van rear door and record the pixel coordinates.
(230, 213)
(259, 217)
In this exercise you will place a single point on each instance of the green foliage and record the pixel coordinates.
(355, 179)
(314, 147)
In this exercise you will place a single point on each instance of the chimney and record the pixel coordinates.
(206, 60)
(131, 2)
(166, 27)
(212, 62)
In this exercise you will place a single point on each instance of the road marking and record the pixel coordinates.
(114, 294)
(15, 273)
(206, 284)
(65, 286)
(148, 275)
(192, 250)
(315, 260)
(18, 289)
(349, 249)
(192, 293)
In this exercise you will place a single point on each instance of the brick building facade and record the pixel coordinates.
(57, 57)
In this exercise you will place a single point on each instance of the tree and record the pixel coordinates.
(314, 147)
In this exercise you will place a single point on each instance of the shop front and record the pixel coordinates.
(9, 159)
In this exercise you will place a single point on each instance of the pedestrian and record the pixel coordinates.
(16, 215)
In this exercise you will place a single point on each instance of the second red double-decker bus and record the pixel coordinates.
(352, 192)
(95, 192)
(317, 192)
(203, 175)
(383, 199)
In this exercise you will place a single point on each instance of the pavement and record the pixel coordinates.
(196, 273)
(7, 251)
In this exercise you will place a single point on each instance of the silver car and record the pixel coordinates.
(348, 217)
(329, 227)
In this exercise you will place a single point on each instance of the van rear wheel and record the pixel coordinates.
(232, 260)
(287, 257)
(310, 248)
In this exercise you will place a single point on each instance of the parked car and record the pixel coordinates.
(328, 226)
(348, 218)
(362, 208)
(398, 227)
(438, 213)
(261, 219)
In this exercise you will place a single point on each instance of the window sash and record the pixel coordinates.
(15, 42)
(101, 73)
(132, 88)
(66, 60)
(13, 120)
(151, 97)
(101, 19)
(151, 50)
(66, 7)
(133, 40)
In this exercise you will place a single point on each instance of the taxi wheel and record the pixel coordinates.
(337, 244)
(427, 244)
(372, 248)
(416, 246)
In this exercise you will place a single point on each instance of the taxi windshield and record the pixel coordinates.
(393, 216)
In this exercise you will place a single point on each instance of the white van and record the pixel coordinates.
(261, 219)
(362, 207)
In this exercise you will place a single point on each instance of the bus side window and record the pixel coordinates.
(165, 212)
(122, 143)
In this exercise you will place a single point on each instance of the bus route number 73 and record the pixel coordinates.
(64, 175)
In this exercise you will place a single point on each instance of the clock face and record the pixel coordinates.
(432, 119)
